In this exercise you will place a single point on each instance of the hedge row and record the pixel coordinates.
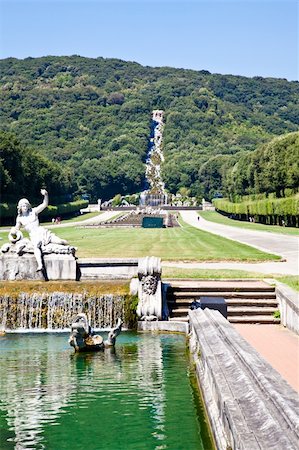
(270, 210)
(65, 208)
(8, 211)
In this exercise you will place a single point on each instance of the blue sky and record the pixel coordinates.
(241, 37)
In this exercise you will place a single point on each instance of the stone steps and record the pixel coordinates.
(230, 302)
(179, 319)
(248, 301)
(250, 311)
(254, 319)
(177, 295)
(216, 285)
(233, 311)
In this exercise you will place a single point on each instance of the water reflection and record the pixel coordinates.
(34, 388)
(151, 382)
(53, 398)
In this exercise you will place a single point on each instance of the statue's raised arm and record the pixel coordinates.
(38, 209)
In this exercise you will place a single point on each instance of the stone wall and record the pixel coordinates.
(107, 268)
(57, 267)
(288, 306)
(250, 406)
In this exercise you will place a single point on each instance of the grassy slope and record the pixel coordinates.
(214, 216)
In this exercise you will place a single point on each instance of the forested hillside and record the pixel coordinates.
(23, 172)
(92, 118)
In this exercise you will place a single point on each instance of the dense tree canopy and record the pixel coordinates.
(272, 168)
(92, 118)
(24, 172)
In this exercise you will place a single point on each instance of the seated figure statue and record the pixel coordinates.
(83, 339)
(41, 239)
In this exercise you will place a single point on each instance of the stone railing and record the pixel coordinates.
(249, 404)
(108, 268)
(288, 306)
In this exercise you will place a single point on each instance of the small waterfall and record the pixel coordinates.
(56, 311)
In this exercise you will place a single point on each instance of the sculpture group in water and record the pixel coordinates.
(42, 241)
(83, 339)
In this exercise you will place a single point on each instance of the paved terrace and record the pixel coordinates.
(277, 345)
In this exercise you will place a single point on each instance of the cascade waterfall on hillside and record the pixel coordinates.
(155, 194)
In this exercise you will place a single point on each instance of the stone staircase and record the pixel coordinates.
(248, 301)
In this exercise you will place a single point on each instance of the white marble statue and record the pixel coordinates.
(83, 339)
(40, 237)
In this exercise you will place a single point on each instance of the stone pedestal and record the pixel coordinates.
(57, 267)
(150, 302)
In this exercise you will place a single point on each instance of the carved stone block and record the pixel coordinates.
(57, 267)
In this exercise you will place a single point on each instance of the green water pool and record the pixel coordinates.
(141, 396)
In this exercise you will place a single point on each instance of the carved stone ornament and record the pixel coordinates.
(149, 284)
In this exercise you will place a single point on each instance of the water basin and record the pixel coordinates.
(141, 396)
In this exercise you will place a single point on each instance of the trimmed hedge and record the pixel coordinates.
(8, 211)
(65, 208)
(272, 211)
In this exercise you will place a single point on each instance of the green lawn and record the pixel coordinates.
(214, 216)
(177, 244)
(177, 272)
(292, 281)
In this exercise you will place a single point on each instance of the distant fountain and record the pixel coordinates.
(155, 194)
(56, 311)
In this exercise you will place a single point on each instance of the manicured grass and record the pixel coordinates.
(178, 272)
(214, 216)
(292, 281)
(177, 244)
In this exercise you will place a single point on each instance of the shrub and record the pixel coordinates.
(9, 211)
(130, 315)
(269, 210)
